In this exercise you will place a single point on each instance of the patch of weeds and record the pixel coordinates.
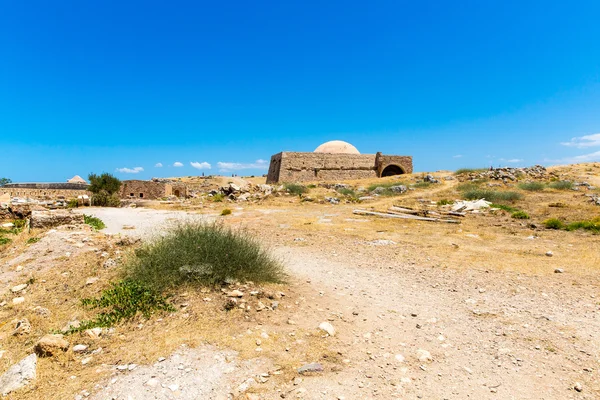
(557, 205)
(217, 198)
(504, 207)
(491, 195)
(462, 171)
(561, 185)
(346, 192)
(520, 215)
(33, 240)
(94, 222)
(226, 211)
(421, 185)
(72, 203)
(592, 226)
(4, 240)
(444, 202)
(532, 186)
(295, 188)
(311, 186)
(204, 254)
(385, 185)
(467, 186)
(554, 223)
(123, 301)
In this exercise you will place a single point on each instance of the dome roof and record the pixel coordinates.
(337, 147)
(77, 179)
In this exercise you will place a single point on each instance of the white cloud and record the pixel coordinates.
(592, 157)
(230, 166)
(177, 164)
(512, 160)
(158, 165)
(130, 170)
(457, 156)
(200, 165)
(583, 142)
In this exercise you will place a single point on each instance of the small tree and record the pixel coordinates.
(4, 181)
(105, 182)
(105, 190)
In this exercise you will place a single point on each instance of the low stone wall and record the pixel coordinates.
(43, 194)
(149, 190)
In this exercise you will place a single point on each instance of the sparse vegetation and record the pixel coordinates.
(520, 215)
(561, 185)
(94, 222)
(444, 202)
(491, 195)
(504, 207)
(554, 223)
(4, 240)
(123, 301)
(72, 203)
(346, 192)
(593, 225)
(462, 171)
(532, 186)
(295, 188)
(226, 211)
(385, 185)
(4, 181)
(421, 185)
(33, 240)
(204, 254)
(217, 198)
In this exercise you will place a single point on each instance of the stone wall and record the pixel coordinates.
(43, 194)
(307, 167)
(151, 190)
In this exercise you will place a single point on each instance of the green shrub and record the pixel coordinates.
(73, 203)
(444, 202)
(104, 183)
(94, 222)
(33, 240)
(123, 301)
(226, 211)
(205, 254)
(346, 192)
(520, 215)
(593, 225)
(464, 187)
(295, 188)
(532, 186)
(385, 185)
(311, 186)
(561, 185)
(4, 240)
(105, 199)
(553, 223)
(491, 195)
(462, 171)
(217, 198)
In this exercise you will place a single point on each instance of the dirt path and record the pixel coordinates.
(410, 331)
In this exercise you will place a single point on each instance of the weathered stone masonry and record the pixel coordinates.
(306, 167)
(43, 191)
(151, 190)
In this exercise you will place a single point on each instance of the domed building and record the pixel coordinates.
(334, 161)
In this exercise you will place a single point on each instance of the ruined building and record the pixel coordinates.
(74, 187)
(152, 190)
(335, 160)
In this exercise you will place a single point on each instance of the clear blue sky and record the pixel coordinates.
(92, 86)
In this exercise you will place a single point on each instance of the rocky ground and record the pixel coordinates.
(492, 308)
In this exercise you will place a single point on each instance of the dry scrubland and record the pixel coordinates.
(420, 309)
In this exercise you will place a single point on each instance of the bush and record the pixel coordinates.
(553, 223)
(4, 240)
(33, 240)
(226, 211)
(491, 195)
(73, 203)
(346, 192)
(561, 185)
(532, 186)
(104, 199)
(593, 225)
(520, 215)
(203, 253)
(444, 202)
(94, 222)
(217, 198)
(123, 301)
(295, 188)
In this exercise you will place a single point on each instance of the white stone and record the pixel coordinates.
(18, 288)
(18, 300)
(399, 358)
(152, 382)
(424, 355)
(19, 375)
(327, 327)
(79, 348)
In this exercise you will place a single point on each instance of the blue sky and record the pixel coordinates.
(120, 86)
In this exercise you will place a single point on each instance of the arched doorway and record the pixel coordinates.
(176, 192)
(392, 170)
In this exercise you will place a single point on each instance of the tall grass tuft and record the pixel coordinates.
(462, 171)
(561, 185)
(295, 188)
(203, 254)
(94, 222)
(532, 186)
(491, 195)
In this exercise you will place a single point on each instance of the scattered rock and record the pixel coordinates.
(22, 327)
(549, 253)
(91, 280)
(235, 293)
(578, 387)
(18, 300)
(42, 311)
(19, 375)
(559, 271)
(79, 348)
(18, 288)
(327, 327)
(424, 355)
(313, 367)
(50, 345)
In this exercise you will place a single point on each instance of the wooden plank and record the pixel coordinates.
(404, 216)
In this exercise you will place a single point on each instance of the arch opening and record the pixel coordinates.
(392, 170)
(176, 193)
